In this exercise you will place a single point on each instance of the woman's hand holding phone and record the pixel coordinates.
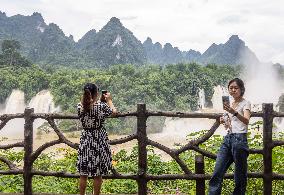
(226, 104)
(106, 97)
(226, 101)
(103, 96)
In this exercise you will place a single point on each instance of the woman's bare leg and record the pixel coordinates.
(97, 185)
(83, 184)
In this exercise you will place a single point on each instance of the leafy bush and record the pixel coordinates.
(126, 163)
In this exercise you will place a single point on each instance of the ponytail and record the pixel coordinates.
(87, 100)
(90, 93)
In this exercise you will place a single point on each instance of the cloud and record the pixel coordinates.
(232, 19)
(128, 18)
(278, 58)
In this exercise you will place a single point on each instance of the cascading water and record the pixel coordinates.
(217, 103)
(180, 127)
(262, 86)
(43, 103)
(15, 103)
(201, 99)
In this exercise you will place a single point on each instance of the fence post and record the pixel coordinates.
(267, 147)
(28, 147)
(142, 152)
(199, 169)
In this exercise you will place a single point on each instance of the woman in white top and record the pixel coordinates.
(234, 147)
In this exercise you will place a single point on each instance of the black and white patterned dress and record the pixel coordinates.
(94, 154)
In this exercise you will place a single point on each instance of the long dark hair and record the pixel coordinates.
(240, 83)
(90, 92)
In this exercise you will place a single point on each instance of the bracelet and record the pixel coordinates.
(235, 114)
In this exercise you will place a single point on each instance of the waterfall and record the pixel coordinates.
(219, 91)
(15, 103)
(201, 99)
(180, 127)
(262, 83)
(43, 103)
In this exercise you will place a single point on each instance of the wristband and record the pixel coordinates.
(235, 114)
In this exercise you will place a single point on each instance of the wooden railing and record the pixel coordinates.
(142, 177)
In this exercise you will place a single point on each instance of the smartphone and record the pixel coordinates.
(225, 100)
(104, 91)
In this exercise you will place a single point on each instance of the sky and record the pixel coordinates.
(186, 24)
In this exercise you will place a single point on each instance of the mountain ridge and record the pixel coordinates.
(113, 44)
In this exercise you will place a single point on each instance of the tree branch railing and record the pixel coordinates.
(142, 177)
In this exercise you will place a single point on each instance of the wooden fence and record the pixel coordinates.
(142, 177)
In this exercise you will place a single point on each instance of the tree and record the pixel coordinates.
(10, 55)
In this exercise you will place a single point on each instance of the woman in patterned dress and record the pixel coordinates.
(94, 154)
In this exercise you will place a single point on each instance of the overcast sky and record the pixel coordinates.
(186, 24)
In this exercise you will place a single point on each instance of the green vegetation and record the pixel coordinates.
(10, 55)
(30, 80)
(172, 87)
(126, 163)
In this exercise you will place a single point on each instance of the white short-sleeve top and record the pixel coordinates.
(237, 125)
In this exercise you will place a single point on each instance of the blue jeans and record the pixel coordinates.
(234, 149)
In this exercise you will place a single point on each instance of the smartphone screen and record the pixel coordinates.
(226, 100)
